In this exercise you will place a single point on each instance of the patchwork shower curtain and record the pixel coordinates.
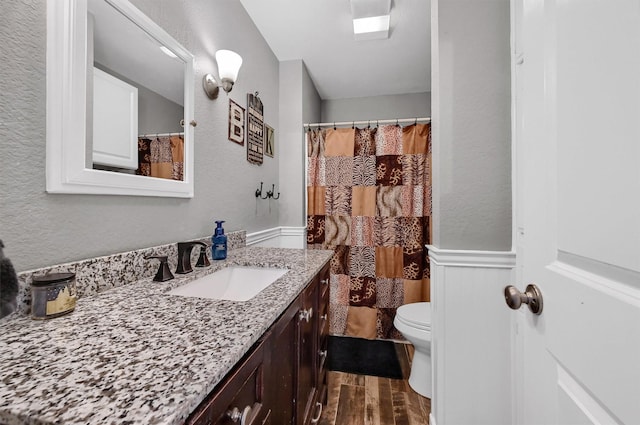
(161, 157)
(369, 200)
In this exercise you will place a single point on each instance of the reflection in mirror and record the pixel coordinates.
(137, 91)
(132, 79)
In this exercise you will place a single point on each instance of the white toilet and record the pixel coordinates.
(414, 322)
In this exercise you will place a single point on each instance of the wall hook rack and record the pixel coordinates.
(259, 193)
(270, 194)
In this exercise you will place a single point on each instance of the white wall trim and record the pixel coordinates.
(470, 258)
(292, 231)
(275, 233)
(262, 235)
(467, 314)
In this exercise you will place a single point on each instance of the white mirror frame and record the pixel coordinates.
(66, 108)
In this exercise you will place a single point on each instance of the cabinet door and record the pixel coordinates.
(240, 397)
(323, 332)
(307, 354)
(115, 121)
(281, 383)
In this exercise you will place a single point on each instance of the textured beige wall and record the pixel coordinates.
(299, 103)
(41, 229)
(410, 105)
(471, 130)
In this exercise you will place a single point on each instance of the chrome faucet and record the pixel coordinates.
(184, 256)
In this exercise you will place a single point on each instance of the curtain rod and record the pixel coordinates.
(369, 122)
(146, 136)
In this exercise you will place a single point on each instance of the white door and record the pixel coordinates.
(577, 124)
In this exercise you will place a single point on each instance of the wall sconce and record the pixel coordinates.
(228, 67)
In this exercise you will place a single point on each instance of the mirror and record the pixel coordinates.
(114, 75)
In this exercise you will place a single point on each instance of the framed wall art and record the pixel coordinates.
(255, 129)
(269, 141)
(236, 123)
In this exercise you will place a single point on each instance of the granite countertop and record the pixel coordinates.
(135, 355)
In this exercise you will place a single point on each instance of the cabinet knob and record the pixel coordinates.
(305, 315)
(322, 353)
(235, 415)
(317, 418)
(324, 281)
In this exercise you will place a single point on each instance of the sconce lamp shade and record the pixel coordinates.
(228, 64)
(228, 67)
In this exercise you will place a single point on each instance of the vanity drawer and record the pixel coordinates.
(322, 360)
(324, 283)
(323, 332)
(323, 318)
(323, 305)
(323, 322)
(240, 394)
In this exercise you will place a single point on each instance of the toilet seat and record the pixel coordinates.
(416, 315)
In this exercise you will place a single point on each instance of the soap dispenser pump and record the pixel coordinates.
(219, 243)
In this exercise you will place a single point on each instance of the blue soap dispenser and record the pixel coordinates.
(219, 243)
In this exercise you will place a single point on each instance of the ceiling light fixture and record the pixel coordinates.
(373, 24)
(371, 19)
(228, 67)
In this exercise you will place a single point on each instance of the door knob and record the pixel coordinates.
(531, 296)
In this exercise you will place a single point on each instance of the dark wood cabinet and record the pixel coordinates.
(240, 398)
(282, 380)
(312, 381)
(307, 354)
(323, 333)
(284, 358)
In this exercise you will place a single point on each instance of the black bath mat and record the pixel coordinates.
(363, 357)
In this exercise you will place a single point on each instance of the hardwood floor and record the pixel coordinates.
(370, 400)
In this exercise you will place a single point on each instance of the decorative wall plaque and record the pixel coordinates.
(236, 122)
(255, 129)
(269, 141)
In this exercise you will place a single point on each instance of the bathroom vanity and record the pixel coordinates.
(135, 354)
(282, 379)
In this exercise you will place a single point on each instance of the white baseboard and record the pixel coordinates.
(471, 336)
(468, 258)
(262, 235)
(279, 237)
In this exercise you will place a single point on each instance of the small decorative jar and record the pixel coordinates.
(53, 295)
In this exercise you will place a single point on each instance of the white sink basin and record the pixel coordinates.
(234, 283)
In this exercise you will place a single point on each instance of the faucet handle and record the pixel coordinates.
(203, 261)
(163, 273)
